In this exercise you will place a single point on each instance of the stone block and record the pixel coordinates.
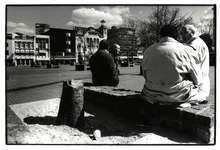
(71, 108)
(206, 118)
(206, 135)
(195, 121)
(188, 115)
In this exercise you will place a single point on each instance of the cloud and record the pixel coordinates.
(118, 10)
(14, 25)
(20, 27)
(71, 23)
(24, 31)
(208, 13)
(209, 10)
(91, 17)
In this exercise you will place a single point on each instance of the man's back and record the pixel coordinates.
(103, 69)
(167, 70)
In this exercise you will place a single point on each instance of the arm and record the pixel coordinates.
(113, 73)
(204, 66)
(192, 65)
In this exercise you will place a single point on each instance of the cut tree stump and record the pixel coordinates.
(71, 110)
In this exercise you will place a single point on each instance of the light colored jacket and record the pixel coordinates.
(203, 61)
(171, 72)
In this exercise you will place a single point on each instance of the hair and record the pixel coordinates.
(115, 45)
(103, 44)
(169, 30)
(190, 28)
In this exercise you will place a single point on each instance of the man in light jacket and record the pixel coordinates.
(190, 37)
(170, 71)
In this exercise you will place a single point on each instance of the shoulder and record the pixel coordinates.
(189, 47)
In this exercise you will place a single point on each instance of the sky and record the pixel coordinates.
(22, 18)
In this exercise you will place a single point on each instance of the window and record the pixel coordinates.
(79, 31)
(23, 37)
(31, 45)
(20, 45)
(39, 46)
(26, 45)
(16, 45)
(42, 54)
(43, 45)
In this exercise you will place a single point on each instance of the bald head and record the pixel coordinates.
(187, 32)
(115, 49)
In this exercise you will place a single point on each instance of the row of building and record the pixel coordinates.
(25, 50)
(52, 45)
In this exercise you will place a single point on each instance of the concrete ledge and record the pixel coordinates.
(196, 121)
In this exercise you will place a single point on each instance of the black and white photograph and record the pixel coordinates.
(110, 74)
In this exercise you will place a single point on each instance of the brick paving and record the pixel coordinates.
(28, 84)
(31, 84)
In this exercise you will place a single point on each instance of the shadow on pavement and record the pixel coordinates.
(47, 120)
(112, 126)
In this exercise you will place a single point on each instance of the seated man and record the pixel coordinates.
(189, 36)
(114, 51)
(171, 74)
(103, 67)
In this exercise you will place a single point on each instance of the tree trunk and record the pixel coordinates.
(71, 110)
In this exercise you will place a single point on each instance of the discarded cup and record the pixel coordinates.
(97, 134)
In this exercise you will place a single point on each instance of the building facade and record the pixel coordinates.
(51, 45)
(68, 45)
(127, 42)
(41, 28)
(87, 39)
(126, 38)
(25, 50)
(61, 45)
(42, 49)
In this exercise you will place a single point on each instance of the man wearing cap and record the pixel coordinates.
(103, 67)
(190, 37)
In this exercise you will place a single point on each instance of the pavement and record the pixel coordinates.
(27, 84)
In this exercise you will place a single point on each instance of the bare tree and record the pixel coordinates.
(206, 26)
(113, 35)
(132, 25)
(160, 16)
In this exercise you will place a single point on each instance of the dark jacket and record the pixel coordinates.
(103, 69)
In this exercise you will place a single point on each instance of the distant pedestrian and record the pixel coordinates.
(190, 37)
(103, 68)
(114, 51)
(171, 77)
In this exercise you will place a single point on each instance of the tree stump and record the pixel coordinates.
(71, 110)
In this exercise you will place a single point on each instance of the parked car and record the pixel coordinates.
(124, 62)
(56, 65)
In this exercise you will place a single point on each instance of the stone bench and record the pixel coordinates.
(196, 121)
